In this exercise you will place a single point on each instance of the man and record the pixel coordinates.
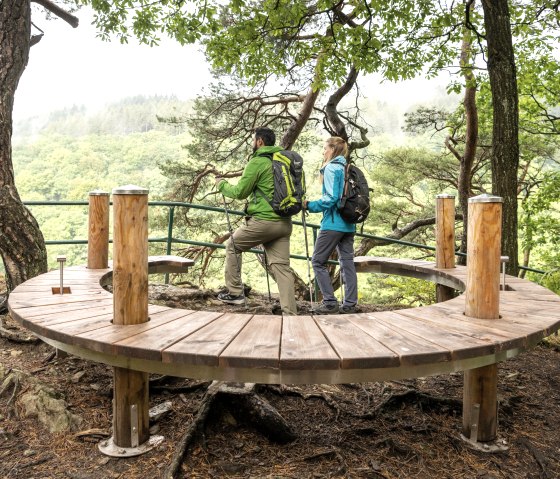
(262, 225)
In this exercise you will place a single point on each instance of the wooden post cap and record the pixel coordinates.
(61, 259)
(485, 198)
(98, 193)
(130, 190)
(445, 195)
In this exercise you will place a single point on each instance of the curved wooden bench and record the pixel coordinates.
(360, 347)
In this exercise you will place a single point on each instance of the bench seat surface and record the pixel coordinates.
(288, 349)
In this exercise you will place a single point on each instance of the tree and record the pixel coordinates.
(22, 246)
(505, 142)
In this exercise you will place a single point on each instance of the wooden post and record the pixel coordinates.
(482, 301)
(445, 241)
(130, 306)
(98, 230)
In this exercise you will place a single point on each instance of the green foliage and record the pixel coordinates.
(540, 223)
(398, 290)
(73, 154)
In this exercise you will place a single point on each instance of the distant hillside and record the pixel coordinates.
(138, 114)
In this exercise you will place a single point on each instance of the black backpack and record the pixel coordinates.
(354, 204)
(289, 183)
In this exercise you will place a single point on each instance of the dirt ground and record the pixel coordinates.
(397, 429)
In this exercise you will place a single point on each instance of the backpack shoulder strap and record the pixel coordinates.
(257, 190)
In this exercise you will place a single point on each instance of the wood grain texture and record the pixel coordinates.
(482, 294)
(98, 232)
(256, 346)
(205, 345)
(130, 258)
(304, 346)
(445, 233)
(436, 335)
(355, 348)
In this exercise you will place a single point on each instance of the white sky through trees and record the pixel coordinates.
(73, 67)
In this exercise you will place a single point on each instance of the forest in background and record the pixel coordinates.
(142, 141)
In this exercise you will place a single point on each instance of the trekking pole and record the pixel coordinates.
(234, 250)
(341, 283)
(267, 278)
(307, 258)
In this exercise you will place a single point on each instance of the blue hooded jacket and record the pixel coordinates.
(333, 186)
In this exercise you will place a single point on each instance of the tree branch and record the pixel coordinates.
(59, 12)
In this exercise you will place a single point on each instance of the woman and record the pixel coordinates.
(334, 232)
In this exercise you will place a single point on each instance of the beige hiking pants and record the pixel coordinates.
(275, 237)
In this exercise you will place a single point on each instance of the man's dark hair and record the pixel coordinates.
(266, 135)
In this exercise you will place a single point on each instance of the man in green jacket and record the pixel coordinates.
(262, 225)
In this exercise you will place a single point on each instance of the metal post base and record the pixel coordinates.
(492, 447)
(109, 448)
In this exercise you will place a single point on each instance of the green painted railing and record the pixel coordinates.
(169, 240)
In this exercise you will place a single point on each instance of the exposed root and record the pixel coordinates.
(245, 405)
(424, 401)
(179, 389)
(335, 453)
(193, 431)
(541, 461)
(13, 335)
(253, 409)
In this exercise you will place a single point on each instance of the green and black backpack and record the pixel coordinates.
(289, 183)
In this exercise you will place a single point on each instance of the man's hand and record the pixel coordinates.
(218, 180)
(305, 204)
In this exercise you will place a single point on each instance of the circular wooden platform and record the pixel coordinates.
(271, 349)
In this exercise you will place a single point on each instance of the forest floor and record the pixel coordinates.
(397, 429)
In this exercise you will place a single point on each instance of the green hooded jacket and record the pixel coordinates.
(257, 173)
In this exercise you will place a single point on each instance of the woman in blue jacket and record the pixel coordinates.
(334, 232)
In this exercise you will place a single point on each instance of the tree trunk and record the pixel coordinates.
(296, 127)
(471, 137)
(505, 145)
(22, 246)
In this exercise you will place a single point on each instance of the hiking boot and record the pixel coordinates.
(225, 297)
(347, 310)
(325, 308)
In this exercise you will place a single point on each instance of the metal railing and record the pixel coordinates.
(169, 240)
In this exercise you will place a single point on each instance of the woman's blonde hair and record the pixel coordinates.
(339, 146)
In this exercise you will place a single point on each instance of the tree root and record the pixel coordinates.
(541, 461)
(425, 401)
(11, 379)
(245, 405)
(343, 467)
(253, 409)
(14, 336)
(195, 428)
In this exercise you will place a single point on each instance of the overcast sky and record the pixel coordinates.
(73, 67)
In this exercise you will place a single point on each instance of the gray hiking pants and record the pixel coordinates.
(275, 238)
(326, 242)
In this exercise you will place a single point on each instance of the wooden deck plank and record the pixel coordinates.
(150, 343)
(256, 346)
(51, 309)
(52, 319)
(116, 338)
(486, 332)
(67, 331)
(355, 349)
(31, 301)
(460, 346)
(204, 346)
(417, 337)
(303, 345)
(412, 350)
(511, 325)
